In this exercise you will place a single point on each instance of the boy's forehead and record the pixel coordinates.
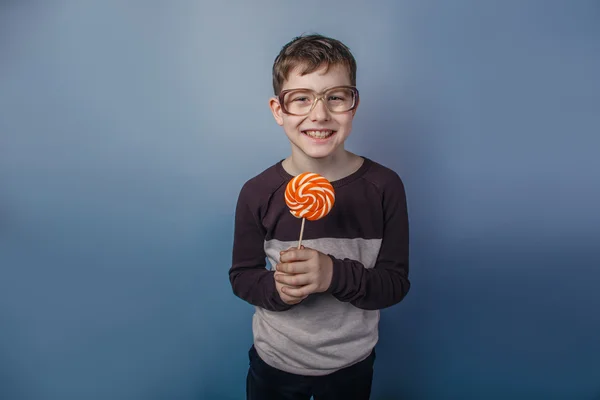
(323, 77)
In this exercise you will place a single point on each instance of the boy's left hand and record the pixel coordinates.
(307, 268)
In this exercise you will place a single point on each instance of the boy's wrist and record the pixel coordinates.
(334, 275)
(327, 266)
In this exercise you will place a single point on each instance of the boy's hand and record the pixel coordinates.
(287, 299)
(304, 271)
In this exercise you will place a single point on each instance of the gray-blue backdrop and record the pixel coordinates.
(128, 127)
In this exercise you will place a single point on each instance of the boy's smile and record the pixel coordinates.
(321, 133)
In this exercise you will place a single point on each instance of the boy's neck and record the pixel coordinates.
(333, 168)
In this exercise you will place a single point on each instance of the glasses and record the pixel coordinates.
(301, 102)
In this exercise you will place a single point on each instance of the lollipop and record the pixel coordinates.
(309, 196)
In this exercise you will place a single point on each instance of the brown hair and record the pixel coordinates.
(311, 52)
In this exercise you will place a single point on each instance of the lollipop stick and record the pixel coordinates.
(301, 232)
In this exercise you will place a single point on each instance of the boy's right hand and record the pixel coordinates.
(287, 299)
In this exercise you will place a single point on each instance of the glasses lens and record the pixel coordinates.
(339, 100)
(300, 101)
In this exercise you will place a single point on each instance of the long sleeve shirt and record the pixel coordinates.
(365, 234)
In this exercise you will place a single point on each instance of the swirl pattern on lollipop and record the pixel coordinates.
(310, 196)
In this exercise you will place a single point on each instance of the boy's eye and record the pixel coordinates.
(300, 99)
(339, 95)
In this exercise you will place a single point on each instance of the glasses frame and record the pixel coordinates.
(319, 96)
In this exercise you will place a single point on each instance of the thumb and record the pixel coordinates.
(292, 248)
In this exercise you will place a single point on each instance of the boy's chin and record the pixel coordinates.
(319, 154)
(317, 150)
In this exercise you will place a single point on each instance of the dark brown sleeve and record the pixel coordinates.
(249, 278)
(387, 283)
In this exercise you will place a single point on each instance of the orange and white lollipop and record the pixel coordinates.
(309, 196)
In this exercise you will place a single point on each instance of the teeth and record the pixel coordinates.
(319, 134)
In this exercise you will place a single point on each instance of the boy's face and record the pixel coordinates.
(321, 133)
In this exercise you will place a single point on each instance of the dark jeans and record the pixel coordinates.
(267, 383)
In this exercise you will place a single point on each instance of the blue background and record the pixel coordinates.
(128, 128)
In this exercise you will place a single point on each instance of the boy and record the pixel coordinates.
(317, 309)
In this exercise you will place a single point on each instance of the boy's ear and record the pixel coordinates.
(276, 110)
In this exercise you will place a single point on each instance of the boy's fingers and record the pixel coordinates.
(293, 267)
(290, 300)
(293, 248)
(294, 255)
(287, 255)
(285, 267)
(292, 280)
(288, 249)
(284, 294)
(302, 291)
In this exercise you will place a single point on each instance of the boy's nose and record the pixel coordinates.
(319, 111)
